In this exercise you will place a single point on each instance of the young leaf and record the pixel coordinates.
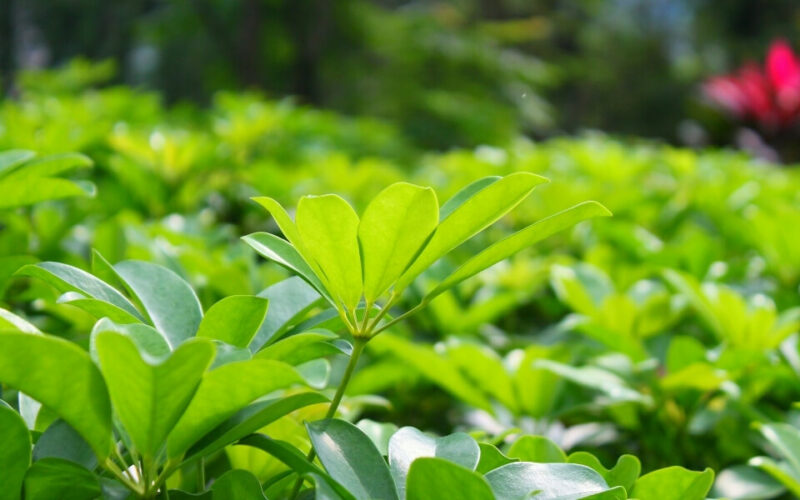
(150, 395)
(290, 232)
(234, 320)
(519, 480)
(536, 449)
(409, 444)
(673, 483)
(480, 211)
(147, 339)
(464, 194)
(62, 377)
(224, 391)
(12, 159)
(392, 230)
(170, 302)
(522, 239)
(279, 250)
(439, 478)
(15, 452)
(328, 226)
(351, 459)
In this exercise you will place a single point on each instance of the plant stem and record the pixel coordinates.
(201, 474)
(358, 348)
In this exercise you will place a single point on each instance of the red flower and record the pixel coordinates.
(771, 96)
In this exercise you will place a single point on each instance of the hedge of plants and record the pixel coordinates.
(397, 323)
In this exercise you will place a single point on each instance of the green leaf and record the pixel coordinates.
(223, 392)
(477, 213)
(279, 250)
(15, 452)
(379, 433)
(743, 481)
(537, 449)
(237, 484)
(301, 347)
(98, 308)
(249, 420)
(519, 480)
(234, 320)
(61, 376)
(484, 367)
(293, 458)
(52, 478)
(289, 300)
(780, 471)
(673, 483)
(13, 158)
(393, 228)
(464, 194)
(150, 395)
(170, 302)
(492, 458)
(438, 478)
(351, 459)
(60, 440)
(624, 473)
(522, 239)
(408, 444)
(290, 232)
(786, 439)
(71, 279)
(10, 321)
(32, 182)
(328, 226)
(146, 338)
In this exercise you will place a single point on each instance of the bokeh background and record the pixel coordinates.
(449, 73)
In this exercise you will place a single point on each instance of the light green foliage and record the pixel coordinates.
(15, 452)
(27, 180)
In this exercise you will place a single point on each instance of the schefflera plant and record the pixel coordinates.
(362, 265)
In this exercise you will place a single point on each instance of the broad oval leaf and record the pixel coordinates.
(409, 444)
(439, 478)
(237, 484)
(351, 458)
(170, 302)
(673, 483)
(393, 228)
(15, 452)
(62, 377)
(328, 226)
(474, 215)
(223, 392)
(492, 458)
(519, 480)
(624, 473)
(51, 478)
(150, 395)
(234, 320)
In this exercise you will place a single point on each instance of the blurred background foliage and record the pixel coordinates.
(448, 73)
